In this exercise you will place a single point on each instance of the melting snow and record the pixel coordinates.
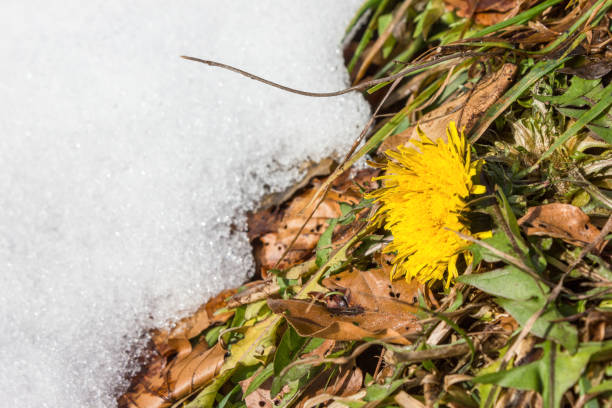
(125, 172)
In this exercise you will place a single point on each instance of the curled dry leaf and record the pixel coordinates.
(314, 320)
(323, 388)
(407, 401)
(563, 221)
(273, 229)
(374, 307)
(161, 386)
(179, 368)
(176, 340)
(373, 290)
(464, 110)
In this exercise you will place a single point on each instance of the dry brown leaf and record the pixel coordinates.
(261, 398)
(407, 401)
(176, 340)
(373, 307)
(464, 110)
(563, 221)
(161, 387)
(373, 290)
(486, 12)
(321, 351)
(312, 319)
(398, 18)
(347, 382)
(178, 368)
(272, 230)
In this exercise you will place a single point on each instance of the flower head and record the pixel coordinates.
(421, 203)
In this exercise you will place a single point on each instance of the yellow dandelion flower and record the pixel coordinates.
(422, 200)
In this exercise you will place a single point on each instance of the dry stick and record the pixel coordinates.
(362, 86)
(437, 353)
(553, 295)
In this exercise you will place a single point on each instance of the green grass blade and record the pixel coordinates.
(582, 121)
(367, 36)
(538, 71)
(364, 7)
(518, 19)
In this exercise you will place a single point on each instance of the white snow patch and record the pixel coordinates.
(123, 168)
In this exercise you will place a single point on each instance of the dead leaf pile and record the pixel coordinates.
(272, 230)
(177, 368)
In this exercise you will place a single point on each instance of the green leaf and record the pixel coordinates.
(425, 20)
(510, 218)
(313, 343)
(562, 332)
(324, 244)
(604, 132)
(383, 23)
(508, 282)
(367, 36)
(261, 377)
(579, 87)
(212, 336)
(300, 373)
(288, 349)
(258, 341)
(293, 345)
(256, 310)
(537, 376)
(378, 392)
(516, 20)
(583, 120)
(228, 396)
(206, 397)
(601, 120)
(604, 386)
(368, 4)
(499, 240)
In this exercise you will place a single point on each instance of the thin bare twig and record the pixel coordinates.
(360, 87)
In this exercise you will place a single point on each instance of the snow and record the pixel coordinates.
(125, 171)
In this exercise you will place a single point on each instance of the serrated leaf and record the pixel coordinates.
(583, 120)
(578, 87)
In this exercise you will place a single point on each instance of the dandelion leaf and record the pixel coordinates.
(508, 282)
(538, 375)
